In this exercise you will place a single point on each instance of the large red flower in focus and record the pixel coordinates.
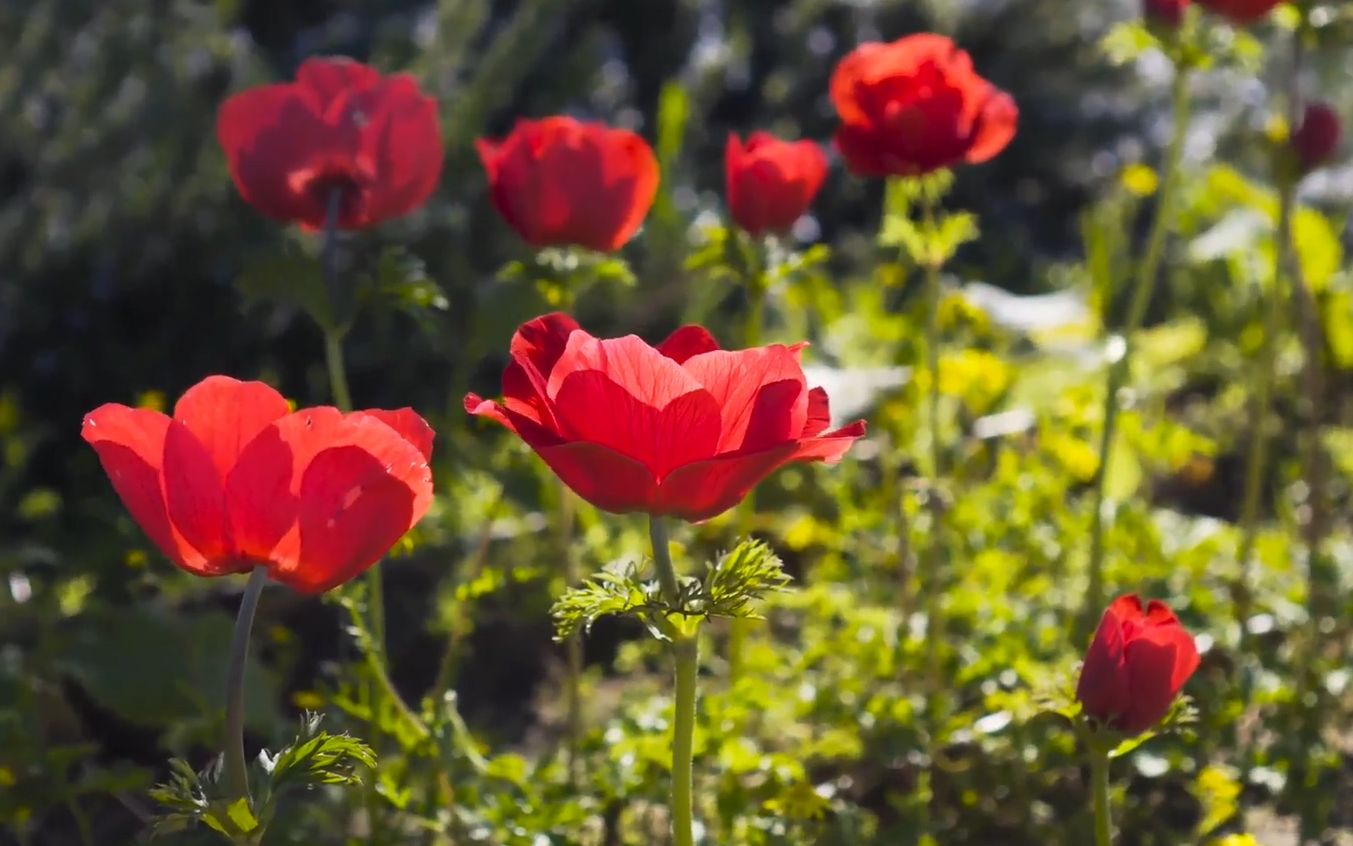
(683, 429)
(915, 106)
(559, 181)
(235, 480)
(770, 182)
(340, 127)
(1136, 666)
(1241, 12)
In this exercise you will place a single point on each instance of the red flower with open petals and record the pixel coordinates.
(235, 480)
(1241, 12)
(770, 182)
(559, 181)
(915, 106)
(1136, 666)
(340, 127)
(683, 429)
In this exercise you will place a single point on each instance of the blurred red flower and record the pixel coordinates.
(915, 106)
(1317, 139)
(1169, 13)
(683, 429)
(1241, 11)
(770, 183)
(341, 127)
(235, 480)
(1137, 663)
(559, 181)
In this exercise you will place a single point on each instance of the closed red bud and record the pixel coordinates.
(1136, 666)
(1168, 13)
(770, 183)
(1241, 12)
(1317, 138)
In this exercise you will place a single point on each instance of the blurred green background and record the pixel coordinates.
(121, 239)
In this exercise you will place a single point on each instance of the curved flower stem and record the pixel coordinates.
(686, 655)
(1120, 368)
(1099, 788)
(236, 769)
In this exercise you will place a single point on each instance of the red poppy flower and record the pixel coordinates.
(235, 480)
(770, 183)
(1136, 665)
(1317, 139)
(342, 127)
(915, 106)
(558, 181)
(1168, 13)
(1241, 12)
(685, 429)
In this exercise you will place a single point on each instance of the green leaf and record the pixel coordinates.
(400, 279)
(290, 279)
(1127, 42)
(613, 591)
(739, 578)
(314, 758)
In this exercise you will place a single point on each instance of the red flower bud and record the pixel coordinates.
(770, 183)
(1317, 138)
(340, 127)
(1241, 12)
(558, 181)
(1136, 665)
(915, 106)
(1168, 13)
(236, 480)
(683, 429)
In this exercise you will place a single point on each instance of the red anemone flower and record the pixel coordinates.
(236, 480)
(341, 132)
(770, 183)
(683, 429)
(559, 181)
(1136, 666)
(915, 106)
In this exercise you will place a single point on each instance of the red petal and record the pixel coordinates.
(995, 127)
(1150, 670)
(130, 444)
(736, 380)
(352, 511)
(688, 342)
(268, 134)
(819, 414)
(1103, 689)
(401, 136)
(225, 414)
(329, 76)
(591, 407)
(830, 446)
(409, 425)
(703, 489)
(634, 366)
(536, 348)
(606, 479)
(194, 494)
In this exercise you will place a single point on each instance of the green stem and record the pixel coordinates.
(1120, 369)
(686, 651)
(686, 655)
(1099, 787)
(338, 377)
(574, 645)
(236, 770)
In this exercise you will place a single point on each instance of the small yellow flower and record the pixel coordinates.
(1139, 180)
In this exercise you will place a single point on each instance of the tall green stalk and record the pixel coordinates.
(236, 767)
(686, 656)
(1099, 788)
(1120, 369)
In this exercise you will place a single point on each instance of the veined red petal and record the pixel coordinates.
(601, 476)
(736, 380)
(130, 445)
(636, 368)
(819, 414)
(704, 489)
(194, 494)
(410, 426)
(687, 342)
(225, 414)
(830, 446)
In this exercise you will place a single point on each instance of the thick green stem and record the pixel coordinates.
(1120, 368)
(236, 769)
(686, 655)
(686, 651)
(1099, 788)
